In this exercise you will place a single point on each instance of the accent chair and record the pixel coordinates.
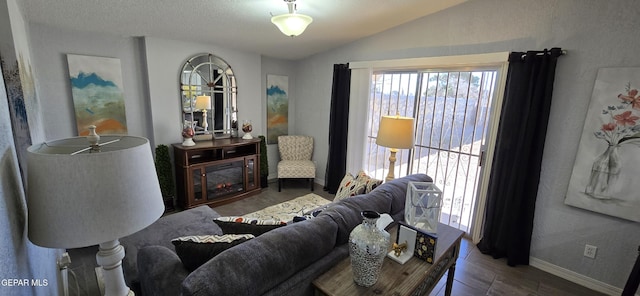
(295, 159)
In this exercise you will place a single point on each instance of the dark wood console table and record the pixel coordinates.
(415, 277)
(216, 172)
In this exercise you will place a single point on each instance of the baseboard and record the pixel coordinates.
(575, 277)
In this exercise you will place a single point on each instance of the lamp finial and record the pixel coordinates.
(93, 139)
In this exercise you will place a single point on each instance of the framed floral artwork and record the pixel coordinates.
(605, 173)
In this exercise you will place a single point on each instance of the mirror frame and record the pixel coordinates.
(208, 75)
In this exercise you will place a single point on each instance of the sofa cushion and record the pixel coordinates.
(301, 283)
(196, 221)
(243, 225)
(374, 201)
(296, 169)
(346, 213)
(260, 264)
(195, 250)
(345, 218)
(161, 271)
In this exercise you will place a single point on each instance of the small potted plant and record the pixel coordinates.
(165, 176)
(264, 162)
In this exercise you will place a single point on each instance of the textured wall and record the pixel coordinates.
(596, 34)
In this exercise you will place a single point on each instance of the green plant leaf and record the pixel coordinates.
(164, 171)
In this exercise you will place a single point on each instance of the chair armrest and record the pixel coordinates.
(160, 271)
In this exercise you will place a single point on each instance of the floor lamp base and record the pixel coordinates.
(109, 274)
(100, 280)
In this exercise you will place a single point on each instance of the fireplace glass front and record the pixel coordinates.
(221, 180)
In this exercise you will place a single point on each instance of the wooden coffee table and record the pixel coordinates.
(415, 277)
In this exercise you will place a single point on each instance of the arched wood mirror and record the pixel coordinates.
(208, 96)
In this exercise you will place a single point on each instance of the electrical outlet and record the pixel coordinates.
(590, 251)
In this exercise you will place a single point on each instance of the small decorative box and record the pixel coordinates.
(425, 244)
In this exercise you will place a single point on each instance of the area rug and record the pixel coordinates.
(285, 211)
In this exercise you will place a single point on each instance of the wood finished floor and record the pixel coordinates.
(476, 273)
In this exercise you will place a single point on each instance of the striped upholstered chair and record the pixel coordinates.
(295, 159)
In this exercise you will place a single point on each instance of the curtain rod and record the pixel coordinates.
(564, 52)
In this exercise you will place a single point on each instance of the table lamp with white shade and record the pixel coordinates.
(395, 132)
(80, 196)
(203, 103)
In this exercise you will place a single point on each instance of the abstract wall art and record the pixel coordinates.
(607, 165)
(277, 107)
(98, 95)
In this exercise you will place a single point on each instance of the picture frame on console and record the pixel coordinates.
(411, 241)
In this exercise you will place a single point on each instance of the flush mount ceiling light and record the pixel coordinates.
(291, 24)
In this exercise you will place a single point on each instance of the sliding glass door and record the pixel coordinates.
(452, 109)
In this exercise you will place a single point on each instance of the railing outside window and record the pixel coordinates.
(451, 111)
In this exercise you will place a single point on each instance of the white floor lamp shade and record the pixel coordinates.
(92, 197)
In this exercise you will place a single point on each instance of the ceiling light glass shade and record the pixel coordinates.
(292, 24)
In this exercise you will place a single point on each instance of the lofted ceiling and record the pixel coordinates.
(238, 24)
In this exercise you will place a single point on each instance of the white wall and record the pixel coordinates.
(150, 69)
(596, 34)
(50, 47)
(164, 59)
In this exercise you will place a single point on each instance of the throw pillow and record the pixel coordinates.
(362, 176)
(198, 249)
(240, 225)
(372, 184)
(349, 187)
(369, 182)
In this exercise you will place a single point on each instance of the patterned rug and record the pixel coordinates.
(285, 211)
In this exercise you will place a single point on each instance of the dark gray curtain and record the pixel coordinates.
(631, 287)
(338, 123)
(515, 172)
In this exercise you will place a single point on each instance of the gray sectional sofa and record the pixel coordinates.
(283, 261)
